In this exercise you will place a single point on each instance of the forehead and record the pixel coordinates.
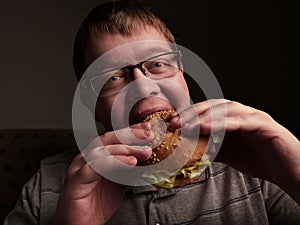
(128, 54)
(105, 42)
(111, 51)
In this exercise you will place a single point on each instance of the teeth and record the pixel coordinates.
(161, 114)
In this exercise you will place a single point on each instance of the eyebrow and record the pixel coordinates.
(157, 50)
(149, 53)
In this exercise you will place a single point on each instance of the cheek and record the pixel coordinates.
(182, 83)
(176, 91)
(103, 111)
(110, 112)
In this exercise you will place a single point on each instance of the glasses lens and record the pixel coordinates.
(162, 65)
(112, 83)
(157, 67)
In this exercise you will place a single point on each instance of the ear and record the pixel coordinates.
(181, 67)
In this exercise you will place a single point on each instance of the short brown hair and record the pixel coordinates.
(122, 17)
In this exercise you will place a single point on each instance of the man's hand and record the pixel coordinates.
(254, 143)
(87, 197)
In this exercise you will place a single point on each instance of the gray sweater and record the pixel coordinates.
(221, 196)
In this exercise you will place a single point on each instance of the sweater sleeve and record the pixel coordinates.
(27, 208)
(281, 208)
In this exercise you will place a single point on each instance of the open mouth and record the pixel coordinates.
(146, 107)
(140, 117)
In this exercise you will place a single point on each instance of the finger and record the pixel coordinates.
(244, 123)
(229, 109)
(187, 114)
(214, 116)
(90, 171)
(236, 117)
(86, 175)
(217, 114)
(112, 164)
(228, 124)
(107, 164)
(142, 153)
(77, 163)
(137, 134)
(86, 172)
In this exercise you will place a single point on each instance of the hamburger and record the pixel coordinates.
(189, 153)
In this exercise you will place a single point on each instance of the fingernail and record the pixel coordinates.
(175, 118)
(147, 148)
(147, 133)
(146, 125)
(173, 114)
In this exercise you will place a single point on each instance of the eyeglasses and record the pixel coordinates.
(113, 81)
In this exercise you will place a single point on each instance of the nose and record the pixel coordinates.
(141, 86)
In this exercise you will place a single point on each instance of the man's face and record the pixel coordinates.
(145, 96)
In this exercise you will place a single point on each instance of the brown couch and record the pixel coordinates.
(20, 153)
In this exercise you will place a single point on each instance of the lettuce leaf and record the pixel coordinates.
(159, 179)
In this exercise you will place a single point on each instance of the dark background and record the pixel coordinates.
(251, 46)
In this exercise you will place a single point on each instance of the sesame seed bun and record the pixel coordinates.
(167, 140)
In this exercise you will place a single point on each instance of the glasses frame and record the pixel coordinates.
(139, 65)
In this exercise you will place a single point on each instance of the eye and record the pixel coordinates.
(109, 83)
(114, 78)
(158, 64)
(119, 75)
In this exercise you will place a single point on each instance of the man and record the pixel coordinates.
(68, 190)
